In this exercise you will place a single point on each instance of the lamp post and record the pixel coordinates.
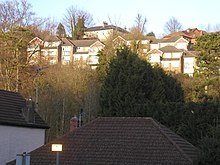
(57, 148)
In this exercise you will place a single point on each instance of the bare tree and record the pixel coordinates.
(14, 13)
(172, 25)
(140, 25)
(72, 16)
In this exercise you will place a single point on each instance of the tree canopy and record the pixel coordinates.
(208, 59)
(61, 32)
(131, 82)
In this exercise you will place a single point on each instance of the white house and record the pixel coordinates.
(173, 54)
(103, 32)
(87, 51)
(21, 128)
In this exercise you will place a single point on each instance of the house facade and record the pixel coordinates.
(173, 54)
(21, 128)
(54, 50)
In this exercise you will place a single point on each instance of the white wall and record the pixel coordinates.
(16, 140)
(189, 63)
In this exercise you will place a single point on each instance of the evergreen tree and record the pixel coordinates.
(78, 32)
(131, 83)
(61, 30)
(128, 83)
(208, 60)
(208, 65)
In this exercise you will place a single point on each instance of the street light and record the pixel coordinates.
(57, 148)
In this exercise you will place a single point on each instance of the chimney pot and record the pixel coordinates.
(73, 123)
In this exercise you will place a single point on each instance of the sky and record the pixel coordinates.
(190, 13)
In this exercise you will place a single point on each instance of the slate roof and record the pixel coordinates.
(83, 43)
(11, 105)
(106, 27)
(121, 141)
(170, 49)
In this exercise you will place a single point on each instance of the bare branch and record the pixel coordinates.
(172, 25)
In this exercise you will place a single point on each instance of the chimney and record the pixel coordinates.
(28, 112)
(104, 23)
(73, 123)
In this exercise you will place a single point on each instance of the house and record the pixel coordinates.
(87, 51)
(103, 32)
(54, 50)
(173, 53)
(168, 57)
(67, 50)
(177, 41)
(34, 50)
(44, 51)
(21, 128)
(191, 34)
(119, 140)
(189, 62)
(51, 50)
(142, 44)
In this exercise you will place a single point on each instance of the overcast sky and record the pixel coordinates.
(190, 13)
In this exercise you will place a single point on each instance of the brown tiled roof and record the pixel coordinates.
(83, 43)
(170, 49)
(66, 42)
(190, 53)
(112, 141)
(11, 105)
(171, 39)
(180, 33)
(52, 39)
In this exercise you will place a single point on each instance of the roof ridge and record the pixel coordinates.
(170, 139)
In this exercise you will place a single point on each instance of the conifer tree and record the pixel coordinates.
(131, 83)
(61, 30)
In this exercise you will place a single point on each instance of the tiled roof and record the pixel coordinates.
(170, 49)
(171, 39)
(52, 39)
(120, 141)
(83, 43)
(66, 42)
(11, 105)
(106, 27)
(190, 53)
(180, 33)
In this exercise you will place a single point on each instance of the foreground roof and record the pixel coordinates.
(120, 141)
(11, 106)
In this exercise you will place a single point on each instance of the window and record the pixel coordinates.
(66, 53)
(66, 58)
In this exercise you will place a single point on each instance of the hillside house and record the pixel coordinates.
(54, 50)
(87, 51)
(191, 34)
(21, 128)
(119, 140)
(103, 32)
(34, 50)
(173, 53)
(142, 44)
